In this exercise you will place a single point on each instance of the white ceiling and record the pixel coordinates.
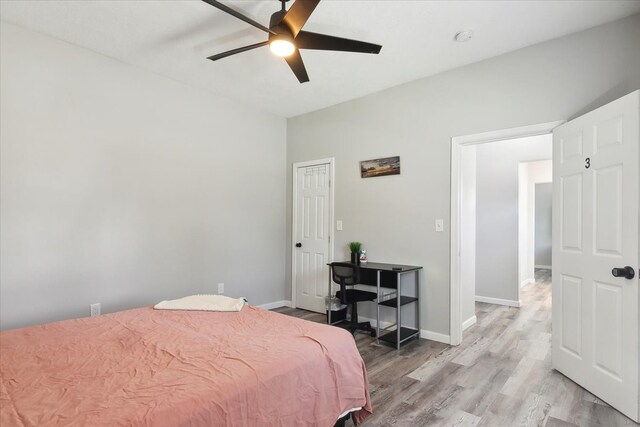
(173, 38)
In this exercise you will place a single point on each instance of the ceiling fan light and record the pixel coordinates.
(282, 47)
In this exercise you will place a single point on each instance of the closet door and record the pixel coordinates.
(311, 236)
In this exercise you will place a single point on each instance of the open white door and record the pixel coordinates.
(312, 219)
(595, 230)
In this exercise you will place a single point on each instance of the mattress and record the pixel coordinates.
(146, 367)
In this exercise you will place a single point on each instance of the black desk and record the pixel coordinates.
(388, 276)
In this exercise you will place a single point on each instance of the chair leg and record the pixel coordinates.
(354, 313)
(362, 326)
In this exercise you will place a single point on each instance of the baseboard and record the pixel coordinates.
(427, 335)
(275, 304)
(527, 281)
(546, 267)
(498, 301)
(435, 336)
(469, 322)
(383, 323)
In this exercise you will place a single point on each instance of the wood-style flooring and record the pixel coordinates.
(499, 376)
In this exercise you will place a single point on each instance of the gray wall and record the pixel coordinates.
(497, 212)
(543, 241)
(122, 187)
(394, 216)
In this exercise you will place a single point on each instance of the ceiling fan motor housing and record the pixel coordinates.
(281, 29)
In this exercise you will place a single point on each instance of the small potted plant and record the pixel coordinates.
(355, 252)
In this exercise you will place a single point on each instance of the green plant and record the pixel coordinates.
(355, 247)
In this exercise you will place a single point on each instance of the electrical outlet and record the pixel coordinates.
(95, 309)
(221, 288)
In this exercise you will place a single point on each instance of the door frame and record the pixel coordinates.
(294, 199)
(457, 143)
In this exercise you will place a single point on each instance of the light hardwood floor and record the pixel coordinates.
(499, 376)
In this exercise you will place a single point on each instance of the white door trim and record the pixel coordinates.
(455, 321)
(331, 162)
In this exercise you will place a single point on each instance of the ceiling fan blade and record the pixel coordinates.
(307, 40)
(238, 50)
(297, 66)
(237, 14)
(298, 14)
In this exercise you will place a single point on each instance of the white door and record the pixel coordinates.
(595, 229)
(312, 236)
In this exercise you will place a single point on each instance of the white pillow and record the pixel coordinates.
(203, 303)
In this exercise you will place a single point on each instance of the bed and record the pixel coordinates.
(147, 367)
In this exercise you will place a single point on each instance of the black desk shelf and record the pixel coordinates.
(393, 302)
(390, 276)
(405, 334)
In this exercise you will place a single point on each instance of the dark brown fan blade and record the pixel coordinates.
(237, 14)
(297, 66)
(238, 50)
(298, 14)
(307, 40)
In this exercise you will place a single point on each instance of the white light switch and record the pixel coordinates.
(439, 225)
(339, 225)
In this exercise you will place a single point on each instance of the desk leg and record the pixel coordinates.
(329, 309)
(378, 306)
(398, 313)
(418, 302)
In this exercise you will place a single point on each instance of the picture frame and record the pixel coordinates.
(383, 166)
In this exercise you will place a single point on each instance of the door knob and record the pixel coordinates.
(626, 272)
(298, 245)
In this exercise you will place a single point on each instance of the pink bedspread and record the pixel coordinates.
(148, 367)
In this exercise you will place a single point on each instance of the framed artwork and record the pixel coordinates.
(380, 167)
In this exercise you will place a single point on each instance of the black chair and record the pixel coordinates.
(347, 274)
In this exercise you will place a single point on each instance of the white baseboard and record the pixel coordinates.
(527, 281)
(546, 267)
(427, 335)
(435, 336)
(498, 301)
(383, 323)
(469, 322)
(275, 304)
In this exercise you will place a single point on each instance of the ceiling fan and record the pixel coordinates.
(286, 37)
